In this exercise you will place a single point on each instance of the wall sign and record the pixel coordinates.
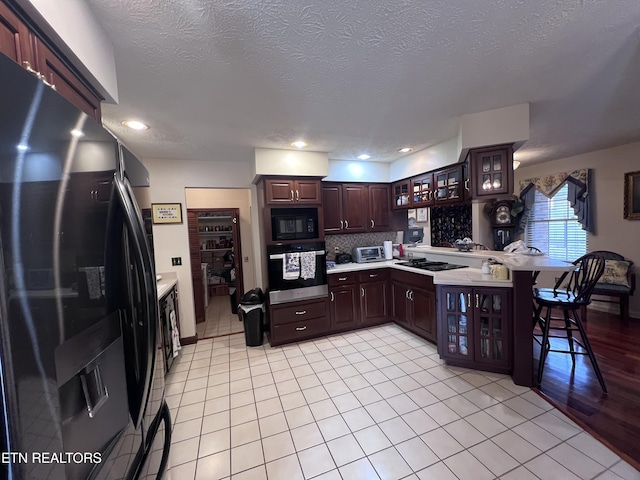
(632, 196)
(167, 212)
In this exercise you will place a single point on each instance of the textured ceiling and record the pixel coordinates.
(216, 78)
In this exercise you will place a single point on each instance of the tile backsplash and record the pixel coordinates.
(346, 243)
(450, 223)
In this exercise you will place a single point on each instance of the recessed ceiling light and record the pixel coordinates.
(406, 149)
(364, 156)
(299, 144)
(77, 133)
(135, 125)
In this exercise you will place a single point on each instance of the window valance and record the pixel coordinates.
(578, 182)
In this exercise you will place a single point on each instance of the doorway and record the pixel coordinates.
(216, 265)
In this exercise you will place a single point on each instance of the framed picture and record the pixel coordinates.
(632, 196)
(166, 212)
(421, 215)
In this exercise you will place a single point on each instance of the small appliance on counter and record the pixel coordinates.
(343, 258)
(368, 254)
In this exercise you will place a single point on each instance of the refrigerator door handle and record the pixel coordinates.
(141, 251)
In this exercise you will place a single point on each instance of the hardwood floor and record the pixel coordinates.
(613, 418)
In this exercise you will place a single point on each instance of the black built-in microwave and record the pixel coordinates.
(294, 224)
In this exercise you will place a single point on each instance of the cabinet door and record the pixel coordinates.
(14, 37)
(332, 208)
(66, 82)
(400, 303)
(422, 190)
(491, 327)
(345, 307)
(423, 304)
(492, 172)
(449, 185)
(307, 191)
(456, 317)
(354, 208)
(379, 208)
(373, 302)
(400, 192)
(279, 191)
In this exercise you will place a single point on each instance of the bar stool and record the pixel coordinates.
(571, 292)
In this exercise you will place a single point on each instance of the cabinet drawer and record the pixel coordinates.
(300, 311)
(373, 275)
(294, 331)
(342, 278)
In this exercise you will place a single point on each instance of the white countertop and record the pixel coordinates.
(469, 276)
(165, 285)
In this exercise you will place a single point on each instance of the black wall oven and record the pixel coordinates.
(297, 271)
(294, 224)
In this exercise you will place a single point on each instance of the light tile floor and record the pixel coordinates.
(371, 404)
(218, 319)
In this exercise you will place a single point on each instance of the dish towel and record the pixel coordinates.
(307, 265)
(175, 335)
(291, 266)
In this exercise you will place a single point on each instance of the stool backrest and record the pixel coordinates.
(583, 279)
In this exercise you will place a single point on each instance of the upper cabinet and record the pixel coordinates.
(22, 45)
(422, 190)
(492, 171)
(355, 208)
(292, 191)
(449, 185)
(401, 197)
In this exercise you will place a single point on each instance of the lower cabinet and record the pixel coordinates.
(475, 327)
(359, 299)
(295, 321)
(414, 303)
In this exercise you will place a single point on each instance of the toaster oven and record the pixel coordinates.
(368, 254)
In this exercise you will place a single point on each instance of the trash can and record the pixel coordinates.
(232, 299)
(252, 307)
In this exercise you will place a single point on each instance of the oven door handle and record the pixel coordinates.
(280, 256)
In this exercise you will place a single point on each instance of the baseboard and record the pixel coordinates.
(612, 308)
(189, 340)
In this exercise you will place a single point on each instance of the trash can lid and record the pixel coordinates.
(253, 297)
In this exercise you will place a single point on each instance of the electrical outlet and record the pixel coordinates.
(246, 259)
(176, 261)
(336, 250)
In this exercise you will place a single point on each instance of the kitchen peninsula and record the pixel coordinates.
(516, 295)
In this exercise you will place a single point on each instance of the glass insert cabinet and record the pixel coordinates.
(475, 327)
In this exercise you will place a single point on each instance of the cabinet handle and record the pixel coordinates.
(291, 195)
(300, 329)
(406, 294)
(373, 224)
(297, 195)
(362, 291)
(411, 295)
(466, 184)
(346, 224)
(341, 225)
(469, 300)
(27, 66)
(50, 85)
(477, 301)
(332, 297)
(342, 279)
(235, 220)
(373, 275)
(302, 312)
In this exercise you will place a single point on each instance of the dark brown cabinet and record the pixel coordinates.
(492, 171)
(475, 330)
(292, 191)
(414, 303)
(359, 299)
(449, 185)
(295, 321)
(422, 192)
(355, 208)
(400, 194)
(23, 46)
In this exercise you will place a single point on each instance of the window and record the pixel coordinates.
(554, 228)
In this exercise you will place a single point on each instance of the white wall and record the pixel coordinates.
(613, 232)
(169, 179)
(269, 161)
(80, 37)
(357, 171)
(431, 158)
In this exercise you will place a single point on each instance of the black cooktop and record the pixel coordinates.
(424, 264)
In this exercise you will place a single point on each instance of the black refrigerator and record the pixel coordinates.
(81, 364)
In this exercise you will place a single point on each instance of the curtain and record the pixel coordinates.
(578, 196)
